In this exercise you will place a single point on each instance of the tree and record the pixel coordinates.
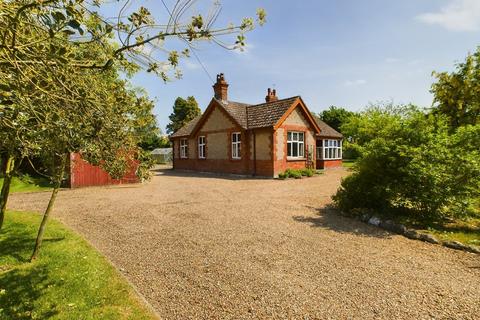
(102, 127)
(46, 46)
(183, 112)
(335, 117)
(456, 94)
(139, 37)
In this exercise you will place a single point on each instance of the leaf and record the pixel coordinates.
(58, 16)
(74, 24)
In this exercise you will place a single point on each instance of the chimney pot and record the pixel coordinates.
(220, 88)
(271, 95)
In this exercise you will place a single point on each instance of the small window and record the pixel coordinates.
(236, 145)
(295, 144)
(201, 147)
(183, 148)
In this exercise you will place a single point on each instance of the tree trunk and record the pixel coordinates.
(43, 224)
(8, 174)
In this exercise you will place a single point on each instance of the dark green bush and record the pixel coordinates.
(416, 165)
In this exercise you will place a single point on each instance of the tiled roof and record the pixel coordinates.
(237, 110)
(187, 129)
(267, 114)
(327, 131)
(255, 116)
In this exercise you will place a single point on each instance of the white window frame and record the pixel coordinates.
(236, 145)
(183, 148)
(201, 147)
(295, 143)
(331, 149)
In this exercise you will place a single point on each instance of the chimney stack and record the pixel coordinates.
(271, 95)
(220, 88)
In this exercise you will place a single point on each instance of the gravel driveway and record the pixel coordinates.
(210, 247)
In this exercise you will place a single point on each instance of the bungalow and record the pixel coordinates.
(262, 139)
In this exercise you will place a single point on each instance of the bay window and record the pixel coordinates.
(329, 149)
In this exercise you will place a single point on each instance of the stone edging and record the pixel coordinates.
(391, 226)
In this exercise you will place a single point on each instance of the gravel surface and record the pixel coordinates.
(211, 247)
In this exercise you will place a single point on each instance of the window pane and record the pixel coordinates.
(295, 136)
(300, 136)
(301, 150)
(289, 136)
(289, 149)
(295, 149)
(325, 153)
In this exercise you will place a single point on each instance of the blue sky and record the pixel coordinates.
(345, 52)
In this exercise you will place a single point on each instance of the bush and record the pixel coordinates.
(416, 165)
(296, 173)
(306, 172)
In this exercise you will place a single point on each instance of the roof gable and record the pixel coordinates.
(264, 115)
(214, 103)
(299, 103)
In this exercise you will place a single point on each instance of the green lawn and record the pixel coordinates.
(70, 280)
(348, 163)
(28, 184)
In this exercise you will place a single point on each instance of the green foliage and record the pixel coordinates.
(296, 173)
(26, 183)
(457, 93)
(411, 162)
(335, 117)
(282, 176)
(69, 281)
(376, 120)
(307, 172)
(183, 112)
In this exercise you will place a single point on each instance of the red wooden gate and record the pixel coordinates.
(83, 174)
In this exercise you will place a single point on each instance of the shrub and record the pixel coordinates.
(307, 172)
(415, 165)
(282, 176)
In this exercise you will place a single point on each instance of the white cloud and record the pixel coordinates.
(190, 65)
(355, 83)
(459, 15)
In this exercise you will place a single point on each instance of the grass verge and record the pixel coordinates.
(70, 280)
(348, 163)
(28, 184)
(466, 231)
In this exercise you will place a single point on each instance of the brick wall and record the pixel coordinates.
(296, 121)
(324, 164)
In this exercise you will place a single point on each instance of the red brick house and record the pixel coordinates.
(262, 139)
